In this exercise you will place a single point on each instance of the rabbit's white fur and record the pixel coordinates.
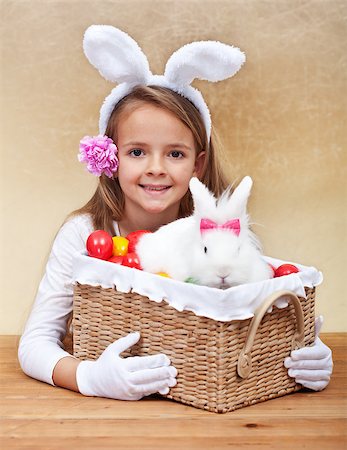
(217, 258)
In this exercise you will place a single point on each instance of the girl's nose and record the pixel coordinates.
(156, 166)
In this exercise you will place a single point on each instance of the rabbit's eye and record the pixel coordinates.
(205, 249)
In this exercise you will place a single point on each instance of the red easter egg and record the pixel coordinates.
(285, 269)
(131, 260)
(100, 245)
(117, 259)
(133, 239)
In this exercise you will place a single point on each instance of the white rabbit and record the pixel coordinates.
(213, 247)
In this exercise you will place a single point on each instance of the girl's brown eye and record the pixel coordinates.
(136, 152)
(176, 154)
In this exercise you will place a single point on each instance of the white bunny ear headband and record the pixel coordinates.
(120, 60)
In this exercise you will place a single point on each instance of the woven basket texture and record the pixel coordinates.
(204, 351)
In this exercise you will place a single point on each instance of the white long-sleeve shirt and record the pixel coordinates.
(41, 347)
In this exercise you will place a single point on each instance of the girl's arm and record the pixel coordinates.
(64, 373)
(41, 352)
(41, 345)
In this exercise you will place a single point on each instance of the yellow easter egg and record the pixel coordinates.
(163, 274)
(120, 245)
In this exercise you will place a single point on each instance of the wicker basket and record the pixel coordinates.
(221, 366)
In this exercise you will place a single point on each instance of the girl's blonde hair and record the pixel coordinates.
(107, 203)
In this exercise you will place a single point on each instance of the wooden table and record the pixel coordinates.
(37, 416)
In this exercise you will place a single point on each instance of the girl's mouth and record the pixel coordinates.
(155, 188)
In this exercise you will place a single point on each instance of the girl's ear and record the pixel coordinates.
(199, 164)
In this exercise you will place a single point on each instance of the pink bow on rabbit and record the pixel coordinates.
(231, 225)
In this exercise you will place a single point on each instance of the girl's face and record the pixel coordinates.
(157, 158)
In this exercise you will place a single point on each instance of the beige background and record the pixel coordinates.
(282, 119)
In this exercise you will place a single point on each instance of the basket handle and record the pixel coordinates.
(244, 364)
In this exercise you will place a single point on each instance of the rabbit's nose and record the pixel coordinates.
(223, 277)
(224, 284)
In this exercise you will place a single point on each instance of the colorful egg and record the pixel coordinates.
(285, 269)
(100, 245)
(120, 245)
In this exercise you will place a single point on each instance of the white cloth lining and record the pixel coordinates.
(235, 303)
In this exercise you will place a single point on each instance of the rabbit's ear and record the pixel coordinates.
(204, 200)
(115, 54)
(205, 60)
(239, 198)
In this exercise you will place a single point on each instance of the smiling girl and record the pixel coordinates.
(157, 135)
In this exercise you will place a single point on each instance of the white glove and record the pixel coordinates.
(130, 378)
(311, 366)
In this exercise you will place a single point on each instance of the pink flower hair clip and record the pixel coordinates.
(100, 155)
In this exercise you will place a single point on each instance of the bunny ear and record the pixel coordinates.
(206, 60)
(115, 54)
(204, 200)
(239, 198)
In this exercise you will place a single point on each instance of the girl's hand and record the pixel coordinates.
(311, 366)
(130, 378)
